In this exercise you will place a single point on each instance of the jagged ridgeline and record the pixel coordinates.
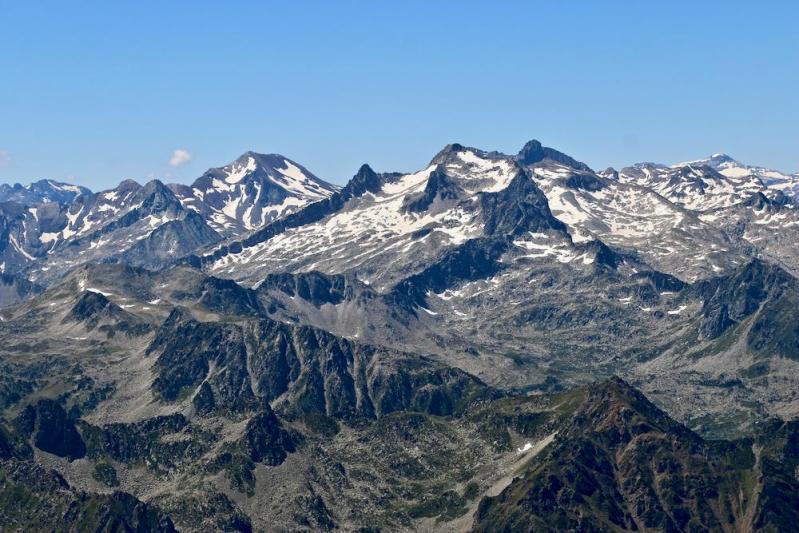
(494, 343)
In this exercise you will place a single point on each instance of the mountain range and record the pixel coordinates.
(493, 342)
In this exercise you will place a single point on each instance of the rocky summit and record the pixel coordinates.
(494, 342)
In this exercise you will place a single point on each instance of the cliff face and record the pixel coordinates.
(301, 369)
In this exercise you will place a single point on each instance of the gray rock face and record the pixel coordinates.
(18, 241)
(519, 208)
(476, 259)
(302, 368)
(440, 190)
(316, 288)
(96, 312)
(169, 242)
(532, 153)
(730, 299)
(15, 289)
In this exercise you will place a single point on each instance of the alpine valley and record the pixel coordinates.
(492, 343)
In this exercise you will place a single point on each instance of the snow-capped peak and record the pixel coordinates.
(475, 170)
(714, 161)
(769, 179)
(42, 191)
(252, 167)
(252, 191)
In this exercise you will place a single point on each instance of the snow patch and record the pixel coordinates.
(527, 447)
(239, 172)
(98, 291)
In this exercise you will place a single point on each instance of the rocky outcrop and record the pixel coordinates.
(472, 260)
(440, 191)
(730, 299)
(304, 369)
(520, 207)
(95, 311)
(316, 287)
(162, 443)
(92, 306)
(532, 153)
(265, 441)
(51, 429)
(188, 350)
(775, 203)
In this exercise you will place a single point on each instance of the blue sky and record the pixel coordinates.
(95, 92)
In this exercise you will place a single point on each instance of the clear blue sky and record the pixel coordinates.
(100, 91)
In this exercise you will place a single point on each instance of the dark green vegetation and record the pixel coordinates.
(622, 464)
(35, 499)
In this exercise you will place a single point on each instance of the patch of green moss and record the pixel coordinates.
(446, 506)
(105, 473)
(471, 491)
